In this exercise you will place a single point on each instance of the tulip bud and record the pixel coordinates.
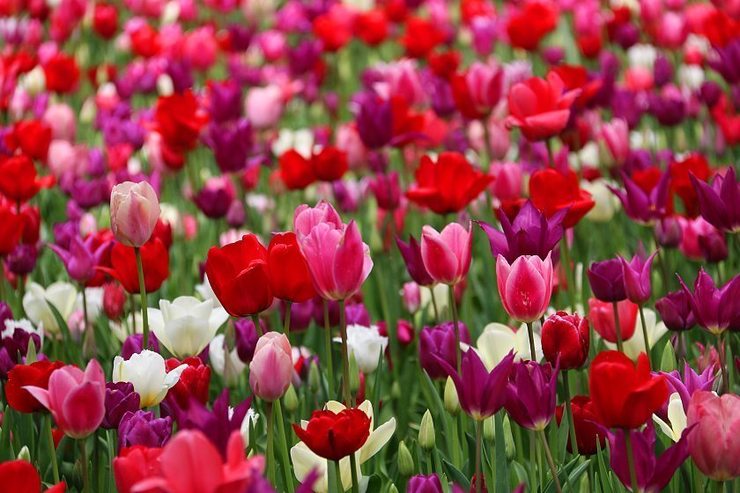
(489, 431)
(405, 460)
(452, 403)
(396, 390)
(314, 378)
(24, 454)
(668, 359)
(271, 369)
(392, 488)
(508, 439)
(290, 400)
(134, 210)
(354, 374)
(426, 431)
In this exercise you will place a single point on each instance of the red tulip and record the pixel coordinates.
(239, 276)
(18, 179)
(540, 107)
(135, 464)
(11, 229)
(154, 257)
(62, 73)
(290, 278)
(448, 185)
(20, 476)
(295, 170)
(32, 137)
(421, 37)
(625, 395)
(37, 375)
(565, 337)
(194, 381)
(329, 164)
(179, 121)
(371, 27)
(680, 171)
(527, 27)
(145, 41)
(601, 314)
(333, 28)
(105, 20)
(585, 420)
(335, 435)
(552, 191)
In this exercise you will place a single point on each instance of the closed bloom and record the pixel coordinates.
(716, 309)
(120, 398)
(565, 339)
(607, 280)
(424, 484)
(76, 399)
(676, 422)
(585, 420)
(498, 340)
(21, 476)
(36, 374)
(636, 275)
(146, 371)
(525, 286)
(366, 344)
(186, 325)
(134, 210)
(335, 435)
(271, 369)
(37, 299)
(635, 345)
(411, 253)
(143, 428)
(601, 315)
(290, 278)
(438, 343)
(154, 257)
(625, 394)
(447, 254)
(530, 394)
(675, 310)
(713, 443)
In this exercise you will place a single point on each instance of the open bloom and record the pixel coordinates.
(447, 254)
(643, 206)
(76, 399)
(498, 340)
(81, 257)
(37, 299)
(675, 310)
(305, 461)
(366, 345)
(335, 435)
(134, 210)
(525, 286)
(715, 309)
(636, 275)
(186, 325)
(713, 443)
(146, 371)
(720, 204)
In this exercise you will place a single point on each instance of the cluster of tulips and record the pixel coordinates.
(369, 245)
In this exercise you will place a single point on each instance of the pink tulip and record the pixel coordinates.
(508, 182)
(713, 441)
(134, 210)
(271, 369)
(264, 106)
(616, 137)
(76, 399)
(525, 286)
(200, 48)
(306, 218)
(61, 119)
(446, 255)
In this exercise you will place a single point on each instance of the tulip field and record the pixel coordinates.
(369, 246)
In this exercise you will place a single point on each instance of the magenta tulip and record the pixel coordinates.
(271, 369)
(713, 443)
(76, 399)
(525, 286)
(446, 254)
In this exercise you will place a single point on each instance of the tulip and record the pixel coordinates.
(215, 197)
(18, 179)
(16, 340)
(424, 484)
(37, 299)
(120, 398)
(387, 190)
(605, 203)
(437, 343)
(185, 326)
(497, 340)
(146, 371)
(135, 464)
(615, 135)
(134, 210)
(194, 381)
(366, 345)
(531, 233)
(607, 280)
(264, 106)
(625, 395)
(335, 435)
(530, 394)
(76, 399)
(675, 311)
(676, 415)
(525, 287)
(720, 203)
(238, 274)
(690, 383)
(21, 476)
(715, 308)
(143, 428)
(643, 342)
(713, 443)
(11, 229)
(565, 340)
(447, 254)
(570, 197)
(225, 363)
(641, 206)
(478, 90)
(411, 253)
(81, 257)
(271, 369)
(290, 278)
(586, 426)
(601, 315)
(155, 260)
(36, 374)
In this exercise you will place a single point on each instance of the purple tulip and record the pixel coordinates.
(134, 344)
(688, 384)
(215, 197)
(22, 260)
(662, 71)
(231, 143)
(301, 315)
(14, 347)
(120, 399)
(720, 203)
(81, 257)
(143, 428)
(5, 314)
(437, 343)
(716, 309)
(387, 190)
(653, 473)
(668, 232)
(411, 253)
(727, 61)
(625, 105)
(675, 310)
(640, 206)
(424, 484)
(246, 338)
(225, 101)
(240, 36)
(531, 394)
(374, 120)
(668, 107)
(531, 233)
(607, 280)
(636, 273)
(481, 393)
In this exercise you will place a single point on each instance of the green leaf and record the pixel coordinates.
(522, 476)
(456, 475)
(603, 471)
(437, 407)
(501, 472)
(71, 349)
(668, 359)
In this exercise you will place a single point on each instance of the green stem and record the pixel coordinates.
(434, 303)
(346, 392)
(270, 443)
(257, 326)
(327, 342)
(282, 437)
(617, 327)
(334, 477)
(631, 460)
(353, 466)
(571, 418)
(550, 461)
(453, 308)
(645, 335)
(532, 348)
(286, 325)
(722, 350)
(142, 292)
(565, 263)
(52, 450)
(84, 472)
(478, 448)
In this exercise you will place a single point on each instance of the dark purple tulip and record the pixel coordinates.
(607, 280)
(727, 61)
(215, 198)
(143, 428)
(411, 253)
(14, 347)
(301, 315)
(246, 338)
(481, 393)
(675, 310)
(710, 92)
(668, 107)
(531, 393)
(318, 312)
(435, 344)
(626, 106)
(637, 282)
(120, 398)
(217, 424)
(712, 245)
(531, 233)
(720, 204)
(225, 101)
(374, 120)
(627, 35)
(64, 232)
(5, 314)
(715, 309)
(653, 473)
(180, 73)
(441, 98)
(89, 193)
(304, 56)
(662, 71)
(240, 37)
(357, 314)
(688, 384)
(135, 343)
(22, 260)
(387, 190)
(231, 143)
(640, 206)
(81, 257)
(668, 232)
(424, 484)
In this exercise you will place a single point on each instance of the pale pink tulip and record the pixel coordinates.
(61, 119)
(306, 218)
(76, 399)
(134, 210)
(616, 137)
(446, 255)
(264, 106)
(713, 441)
(271, 369)
(525, 286)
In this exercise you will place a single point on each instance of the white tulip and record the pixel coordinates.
(132, 324)
(636, 344)
(94, 303)
(305, 461)
(147, 372)
(606, 203)
(230, 368)
(250, 420)
(676, 417)
(61, 295)
(186, 325)
(206, 291)
(366, 344)
(441, 293)
(498, 339)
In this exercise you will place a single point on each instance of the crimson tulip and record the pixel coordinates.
(585, 420)
(18, 179)
(36, 374)
(19, 476)
(290, 278)
(32, 137)
(11, 229)
(135, 464)
(333, 435)
(534, 21)
(239, 276)
(194, 381)
(625, 394)
(552, 191)
(565, 338)
(62, 73)
(329, 164)
(154, 257)
(295, 170)
(179, 121)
